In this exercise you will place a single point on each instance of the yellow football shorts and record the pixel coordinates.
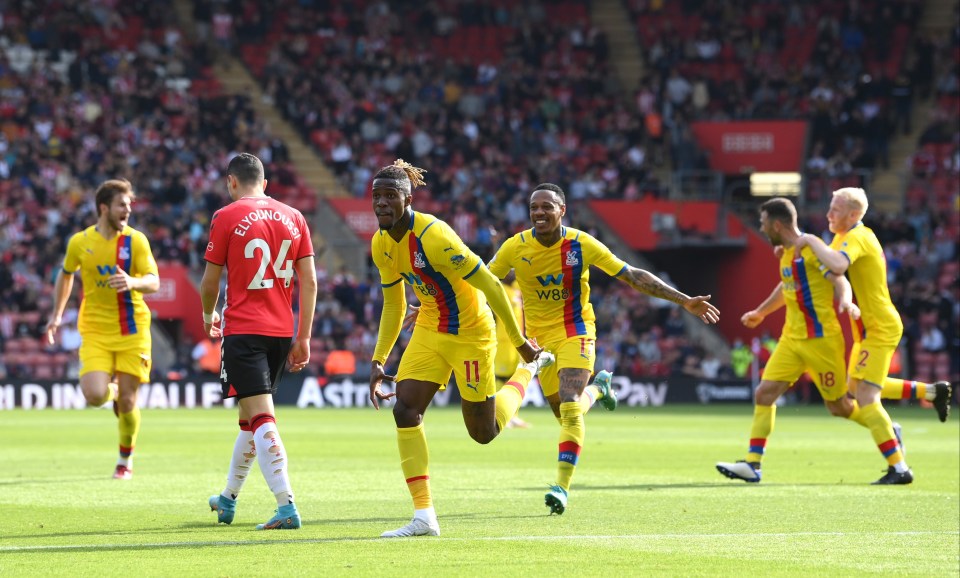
(870, 360)
(432, 356)
(821, 357)
(127, 354)
(571, 352)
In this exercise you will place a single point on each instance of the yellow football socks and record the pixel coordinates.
(129, 426)
(572, 432)
(764, 417)
(511, 396)
(415, 461)
(590, 395)
(857, 416)
(881, 430)
(894, 388)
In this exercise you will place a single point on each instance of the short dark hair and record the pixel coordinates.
(554, 188)
(110, 189)
(780, 209)
(246, 168)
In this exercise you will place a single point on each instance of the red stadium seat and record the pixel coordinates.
(941, 367)
(43, 370)
(13, 347)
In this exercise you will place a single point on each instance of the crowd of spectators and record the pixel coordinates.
(924, 269)
(487, 96)
(97, 90)
(488, 122)
(855, 70)
(851, 68)
(387, 80)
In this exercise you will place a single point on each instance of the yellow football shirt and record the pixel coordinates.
(435, 262)
(808, 295)
(103, 311)
(555, 281)
(868, 277)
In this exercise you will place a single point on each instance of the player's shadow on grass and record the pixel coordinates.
(388, 523)
(398, 520)
(292, 539)
(166, 529)
(588, 488)
(696, 485)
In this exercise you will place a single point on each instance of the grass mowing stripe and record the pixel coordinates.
(646, 498)
(161, 545)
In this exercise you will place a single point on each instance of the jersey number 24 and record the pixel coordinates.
(282, 267)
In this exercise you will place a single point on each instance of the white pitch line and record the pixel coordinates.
(552, 538)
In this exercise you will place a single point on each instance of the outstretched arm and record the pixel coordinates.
(756, 316)
(647, 282)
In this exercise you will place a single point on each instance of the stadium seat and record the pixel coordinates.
(13, 346)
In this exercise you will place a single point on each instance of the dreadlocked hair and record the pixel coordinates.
(400, 170)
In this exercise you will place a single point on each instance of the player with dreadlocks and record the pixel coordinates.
(454, 333)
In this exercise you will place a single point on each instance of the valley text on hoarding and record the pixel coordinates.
(318, 392)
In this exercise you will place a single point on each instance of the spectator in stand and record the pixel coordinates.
(932, 339)
(169, 123)
(710, 366)
(206, 357)
(740, 358)
(340, 363)
(70, 338)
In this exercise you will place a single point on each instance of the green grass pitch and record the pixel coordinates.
(646, 498)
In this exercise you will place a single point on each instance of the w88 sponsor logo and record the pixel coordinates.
(553, 294)
(558, 294)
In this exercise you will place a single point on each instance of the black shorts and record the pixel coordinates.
(252, 364)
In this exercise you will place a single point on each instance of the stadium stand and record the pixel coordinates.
(487, 96)
(91, 92)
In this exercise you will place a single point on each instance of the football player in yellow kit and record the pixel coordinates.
(856, 252)
(811, 342)
(117, 269)
(552, 264)
(454, 333)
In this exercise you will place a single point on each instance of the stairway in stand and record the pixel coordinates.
(338, 245)
(888, 189)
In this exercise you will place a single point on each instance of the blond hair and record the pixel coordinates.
(855, 198)
(415, 174)
(403, 172)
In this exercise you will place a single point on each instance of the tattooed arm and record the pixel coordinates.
(648, 283)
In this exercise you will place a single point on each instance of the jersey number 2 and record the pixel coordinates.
(282, 267)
